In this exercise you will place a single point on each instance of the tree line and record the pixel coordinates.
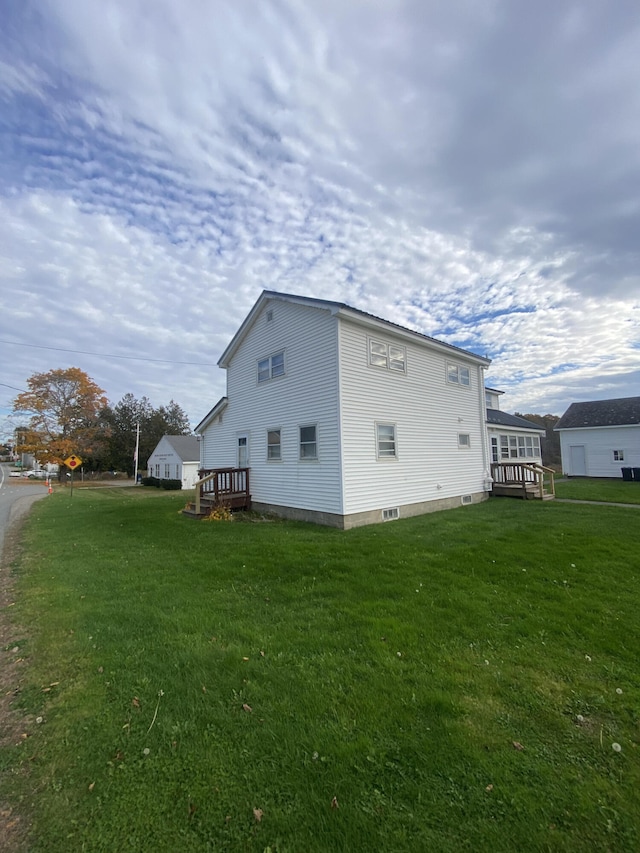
(69, 414)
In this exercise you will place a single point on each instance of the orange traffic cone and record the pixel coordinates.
(49, 484)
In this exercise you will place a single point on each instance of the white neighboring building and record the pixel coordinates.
(510, 436)
(599, 438)
(176, 457)
(347, 419)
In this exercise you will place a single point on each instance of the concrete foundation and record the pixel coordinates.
(374, 516)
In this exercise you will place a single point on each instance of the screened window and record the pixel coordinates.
(390, 356)
(308, 442)
(269, 368)
(457, 374)
(386, 441)
(274, 445)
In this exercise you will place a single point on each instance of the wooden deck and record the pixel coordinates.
(528, 481)
(217, 487)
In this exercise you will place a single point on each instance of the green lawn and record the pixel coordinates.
(455, 681)
(599, 489)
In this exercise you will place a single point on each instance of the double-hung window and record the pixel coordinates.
(457, 374)
(309, 442)
(390, 356)
(274, 445)
(386, 441)
(269, 368)
(618, 455)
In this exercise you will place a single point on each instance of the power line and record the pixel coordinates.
(110, 355)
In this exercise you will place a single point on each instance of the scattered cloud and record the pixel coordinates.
(467, 170)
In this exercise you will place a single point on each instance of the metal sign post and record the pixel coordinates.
(72, 462)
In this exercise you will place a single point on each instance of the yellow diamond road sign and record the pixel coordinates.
(73, 462)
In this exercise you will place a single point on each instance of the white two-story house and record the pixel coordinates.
(347, 419)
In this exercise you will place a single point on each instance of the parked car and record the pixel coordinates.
(35, 475)
(15, 473)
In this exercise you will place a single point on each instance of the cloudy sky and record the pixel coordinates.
(468, 169)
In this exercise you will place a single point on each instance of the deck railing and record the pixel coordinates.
(525, 474)
(224, 486)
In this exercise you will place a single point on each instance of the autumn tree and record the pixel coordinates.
(64, 409)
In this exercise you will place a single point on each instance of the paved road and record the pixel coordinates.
(16, 498)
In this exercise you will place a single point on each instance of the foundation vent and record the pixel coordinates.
(467, 499)
(390, 514)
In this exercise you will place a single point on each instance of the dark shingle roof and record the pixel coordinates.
(498, 418)
(186, 446)
(625, 411)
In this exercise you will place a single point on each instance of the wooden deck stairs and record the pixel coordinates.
(219, 487)
(527, 481)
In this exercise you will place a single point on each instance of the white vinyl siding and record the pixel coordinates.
(599, 444)
(305, 395)
(426, 415)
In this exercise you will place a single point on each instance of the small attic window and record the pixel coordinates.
(269, 315)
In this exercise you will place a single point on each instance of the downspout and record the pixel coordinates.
(488, 479)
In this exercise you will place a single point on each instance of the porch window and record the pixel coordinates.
(457, 374)
(518, 446)
(390, 356)
(386, 441)
(274, 445)
(308, 442)
(269, 368)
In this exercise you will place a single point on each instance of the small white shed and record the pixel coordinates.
(601, 437)
(176, 457)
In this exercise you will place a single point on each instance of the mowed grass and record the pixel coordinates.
(451, 682)
(599, 489)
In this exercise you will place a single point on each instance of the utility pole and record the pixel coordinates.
(135, 455)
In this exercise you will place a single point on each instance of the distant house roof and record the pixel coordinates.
(497, 418)
(625, 411)
(340, 309)
(186, 447)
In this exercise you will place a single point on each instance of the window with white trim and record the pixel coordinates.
(464, 439)
(390, 356)
(618, 455)
(386, 447)
(167, 470)
(158, 470)
(269, 368)
(274, 445)
(519, 446)
(458, 374)
(309, 442)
